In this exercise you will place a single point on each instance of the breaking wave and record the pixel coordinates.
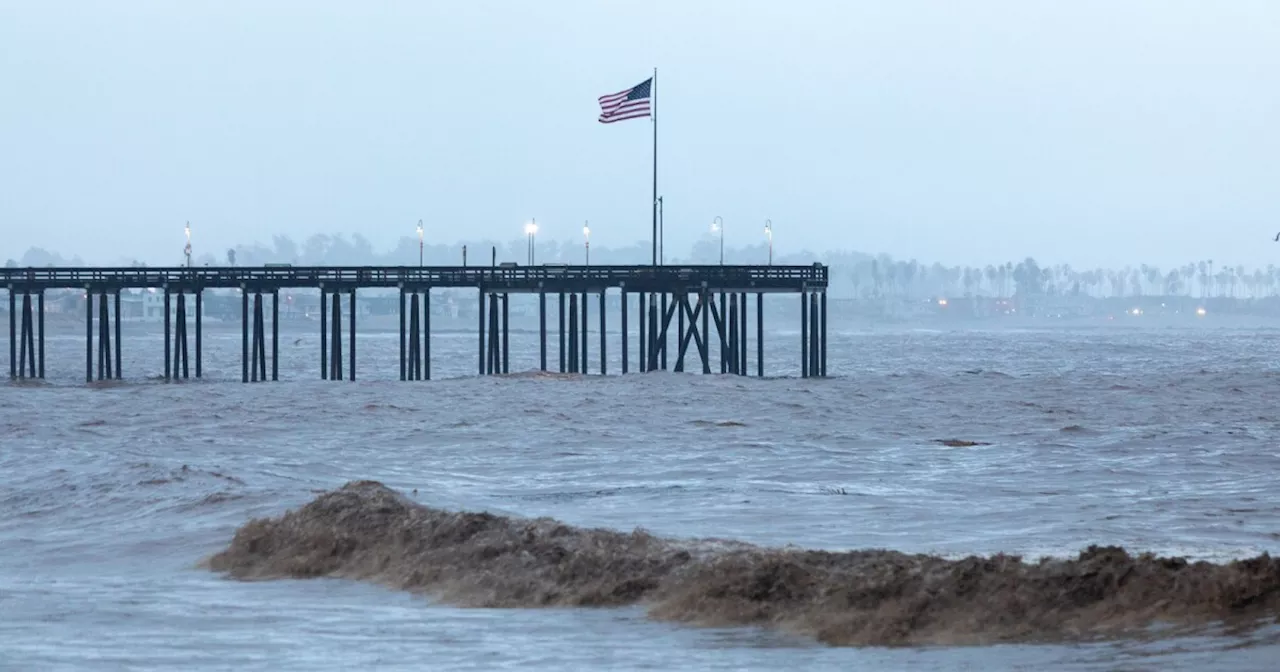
(366, 531)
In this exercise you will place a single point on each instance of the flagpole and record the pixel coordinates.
(654, 94)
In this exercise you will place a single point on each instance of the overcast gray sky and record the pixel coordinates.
(1091, 132)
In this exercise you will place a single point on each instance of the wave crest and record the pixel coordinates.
(366, 531)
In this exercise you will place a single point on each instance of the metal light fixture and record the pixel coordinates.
(419, 243)
(768, 231)
(717, 225)
(531, 230)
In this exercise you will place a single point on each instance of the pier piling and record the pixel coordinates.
(760, 334)
(804, 334)
(582, 339)
(426, 332)
(604, 359)
(88, 335)
(542, 330)
(275, 337)
(199, 329)
(40, 317)
(506, 333)
(168, 363)
(351, 306)
(623, 328)
(573, 333)
(104, 338)
(13, 334)
(642, 335)
(180, 359)
(335, 337)
(560, 302)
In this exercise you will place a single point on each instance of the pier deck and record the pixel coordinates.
(702, 300)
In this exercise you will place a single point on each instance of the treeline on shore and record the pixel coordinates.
(856, 275)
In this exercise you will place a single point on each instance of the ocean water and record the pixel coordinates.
(111, 495)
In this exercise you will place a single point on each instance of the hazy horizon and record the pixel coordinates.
(1092, 133)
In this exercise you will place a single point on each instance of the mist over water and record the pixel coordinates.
(111, 496)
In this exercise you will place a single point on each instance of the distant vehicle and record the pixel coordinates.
(507, 264)
(556, 265)
(277, 265)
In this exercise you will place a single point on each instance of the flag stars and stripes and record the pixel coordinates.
(632, 103)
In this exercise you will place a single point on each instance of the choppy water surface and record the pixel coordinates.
(1154, 439)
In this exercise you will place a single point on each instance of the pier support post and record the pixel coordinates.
(27, 356)
(351, 345)
(414, 371)
(663, 311)
(493, 362)
(88, 334)
(560, 302)
(404, 363)
(275, 336)
(40, 317)
(324, 334)
(732, 334)
(642, 362)
(257, 361)
(623, 325)
(335, 336)
(426, 332)
(180, 339)
(813, 335)
(480, 326)
(260, 319)
(822, 364)
(542, 331)
(706, 300)
(804, 334)
(104, 338)
(199, 333)
(652, 364)
(506, 333)
(13, 332)
(573, 333)
(582, 340)
(760, 334)
(119, 340)
(168, 336)
(743, 348)
(604, 363)
(718, 318)
(682, 298)
(724, 336)
(244, 334)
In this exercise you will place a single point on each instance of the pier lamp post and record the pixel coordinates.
(531, 230)
(768, 232)
(419, 243)
(717, 226)
(662, 236)
(586, 240)
(187, 250)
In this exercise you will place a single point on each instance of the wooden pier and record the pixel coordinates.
(702, 303)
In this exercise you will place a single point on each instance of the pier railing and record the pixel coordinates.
(511, 278)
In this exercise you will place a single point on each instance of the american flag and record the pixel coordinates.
(630, 104)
